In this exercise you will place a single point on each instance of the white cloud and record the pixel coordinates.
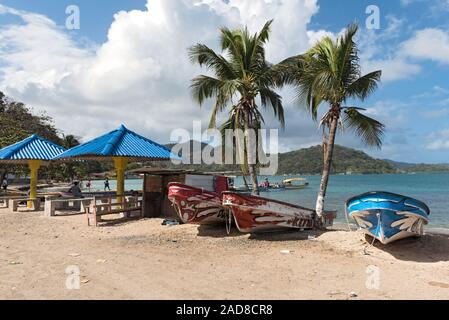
(429, 44)
(392, 69)
(439, 140)
(141, 75)
(379, 52)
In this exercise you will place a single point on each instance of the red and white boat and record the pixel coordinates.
(253, 214)
(196, 205)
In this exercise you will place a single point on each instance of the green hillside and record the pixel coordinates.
(310, 161)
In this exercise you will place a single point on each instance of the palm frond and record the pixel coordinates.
(365, 85)
(207, 57)
(204, 87)
(270, 98)
(368, 129)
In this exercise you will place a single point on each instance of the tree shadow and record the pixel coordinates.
(429, 248)
(116, 222)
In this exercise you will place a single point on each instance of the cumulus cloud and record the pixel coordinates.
(439, 140)
(140, 76)
(429, 44)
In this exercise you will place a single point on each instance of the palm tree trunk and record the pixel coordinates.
(250, 151)
(328, 153)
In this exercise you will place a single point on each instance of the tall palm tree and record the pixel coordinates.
(330, 73)
(241, 77)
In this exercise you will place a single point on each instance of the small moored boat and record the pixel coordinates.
(387, 216)
(195, 205)
(253, 214)
(295, 184)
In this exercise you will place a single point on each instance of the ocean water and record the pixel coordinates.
(431, 188)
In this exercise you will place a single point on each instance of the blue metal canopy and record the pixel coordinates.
(32, 148)
(119, 143)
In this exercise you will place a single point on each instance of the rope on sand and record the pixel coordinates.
(347, 219)
(374, 238)
(228, 220)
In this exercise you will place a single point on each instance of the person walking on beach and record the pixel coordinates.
(106, 185)
(5, 185)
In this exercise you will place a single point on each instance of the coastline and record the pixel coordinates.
(145, 260)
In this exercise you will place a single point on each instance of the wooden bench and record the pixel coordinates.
(107, 207)
(15, 203)
(74, 204)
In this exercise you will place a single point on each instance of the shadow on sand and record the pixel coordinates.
(68, 214)
(427, 249)
(216, 231)
(219, 231)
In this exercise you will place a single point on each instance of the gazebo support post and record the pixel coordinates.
(120, 167)
(34, 166)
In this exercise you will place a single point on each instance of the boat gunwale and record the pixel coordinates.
(277, 201)
(408, 212)
(426, 207)
(193, 188)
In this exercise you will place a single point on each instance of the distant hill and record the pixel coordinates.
(310, 161)
(346, 160)
(419, 167)
(400, 165)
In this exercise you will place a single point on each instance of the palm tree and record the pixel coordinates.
(241, 75)
(330, 73)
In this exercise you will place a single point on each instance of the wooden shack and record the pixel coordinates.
(155, 188)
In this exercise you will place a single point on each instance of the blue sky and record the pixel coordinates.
(132, 67)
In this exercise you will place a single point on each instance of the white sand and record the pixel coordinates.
(145, 260)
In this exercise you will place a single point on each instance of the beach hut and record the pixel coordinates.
(34, 151)
(121, 146)
(155, 188)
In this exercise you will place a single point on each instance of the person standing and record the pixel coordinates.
(89, 185)
(106, 185)
(5, 185)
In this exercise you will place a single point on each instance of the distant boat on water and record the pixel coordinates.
(387, 216)
(295, 183)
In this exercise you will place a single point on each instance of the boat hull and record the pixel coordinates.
(194, 205)
(256, 214)
(388, 217)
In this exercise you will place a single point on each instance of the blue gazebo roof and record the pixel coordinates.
(32, 148)
(119, 143)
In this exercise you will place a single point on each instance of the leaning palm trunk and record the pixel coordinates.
(328, 151)
(250, 152)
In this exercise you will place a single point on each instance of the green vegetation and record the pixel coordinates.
(330, 73)
(310, 161)
(345, 160)
(241, 75)
(18, 122)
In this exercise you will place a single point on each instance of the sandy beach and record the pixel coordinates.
(145, 260)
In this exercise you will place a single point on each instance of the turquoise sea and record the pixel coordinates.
(431, 188)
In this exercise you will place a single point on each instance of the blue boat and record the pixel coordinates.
(387, 216)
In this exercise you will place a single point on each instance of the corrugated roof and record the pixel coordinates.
(32, 148)
(120, 143)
